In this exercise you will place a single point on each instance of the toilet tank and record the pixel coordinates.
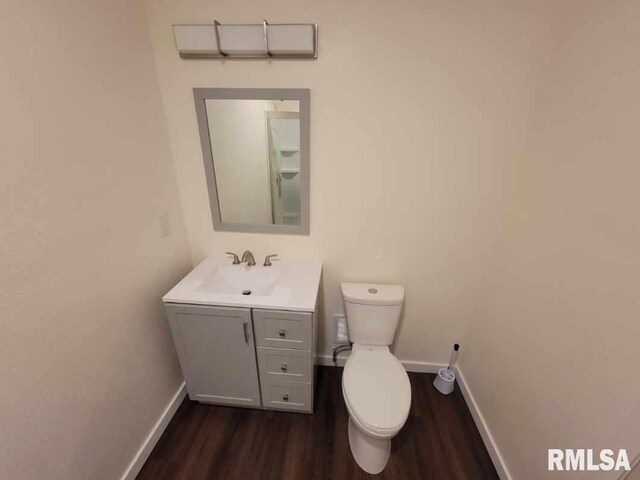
(372, 312)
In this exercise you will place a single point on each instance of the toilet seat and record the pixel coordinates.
(376, 390)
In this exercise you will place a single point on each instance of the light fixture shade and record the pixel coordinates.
(291, 39)
(196, 40)
(246, 41)
(242, 39)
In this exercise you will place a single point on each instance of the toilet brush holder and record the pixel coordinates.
(445, 381)
(446, 378)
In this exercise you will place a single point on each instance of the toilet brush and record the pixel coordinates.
(445, 379)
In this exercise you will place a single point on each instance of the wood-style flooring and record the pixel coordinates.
(439, 441)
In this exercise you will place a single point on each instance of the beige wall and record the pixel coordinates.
(417, 109)
(553, 361)
(86, 360)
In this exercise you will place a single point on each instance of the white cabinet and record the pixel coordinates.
(217, 353)
(246, 357)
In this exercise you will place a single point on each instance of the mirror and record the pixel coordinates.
(255, 146)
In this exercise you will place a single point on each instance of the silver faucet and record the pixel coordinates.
(248, 257)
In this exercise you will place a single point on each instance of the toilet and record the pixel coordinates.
(375, 385)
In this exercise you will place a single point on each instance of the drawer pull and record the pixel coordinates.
(282, 332)
(283, 367)
(285, 397)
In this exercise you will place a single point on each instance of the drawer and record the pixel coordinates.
(282, 395)
(282, 329)
(284, 364)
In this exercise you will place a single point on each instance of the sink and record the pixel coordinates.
(241, 280)
(286, 285)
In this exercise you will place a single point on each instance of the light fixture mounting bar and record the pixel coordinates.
(216, 27)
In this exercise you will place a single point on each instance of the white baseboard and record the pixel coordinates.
(409, 365)
(485, 433)
(422, 367)
(327, 360)
(154, 435)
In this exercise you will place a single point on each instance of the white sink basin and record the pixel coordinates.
(286, 285)
(241, 280)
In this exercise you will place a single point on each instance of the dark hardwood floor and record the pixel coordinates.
(439, 441)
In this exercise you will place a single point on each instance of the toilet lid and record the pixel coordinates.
(376, 387)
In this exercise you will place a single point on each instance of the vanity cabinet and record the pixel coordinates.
(246, 357)
(217, 353)
(246, 335)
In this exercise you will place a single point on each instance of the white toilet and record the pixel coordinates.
(375, 385)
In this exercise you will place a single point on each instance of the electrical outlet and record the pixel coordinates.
(165, 225)
(340, 335)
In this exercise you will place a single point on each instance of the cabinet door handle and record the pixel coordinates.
(245, 329)
(282, 332)
(285, 397)
(283, 367)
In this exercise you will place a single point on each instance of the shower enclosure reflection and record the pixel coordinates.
(283, 130)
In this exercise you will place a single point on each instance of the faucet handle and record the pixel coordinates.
(267, 259)
(236, 260)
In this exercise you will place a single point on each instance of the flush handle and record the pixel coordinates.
(284, 367)
(282, 332)
(285, 397)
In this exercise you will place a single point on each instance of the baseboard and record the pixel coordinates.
(409, 365)
(327, 360)
(422, 367)
(485, 433)
(154, 435)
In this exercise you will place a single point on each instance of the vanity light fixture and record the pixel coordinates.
(256, 41)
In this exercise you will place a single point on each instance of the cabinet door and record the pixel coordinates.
(216, 350)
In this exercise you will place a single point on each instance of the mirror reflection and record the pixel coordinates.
(255, 146)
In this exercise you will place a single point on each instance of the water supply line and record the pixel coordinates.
(338, 349)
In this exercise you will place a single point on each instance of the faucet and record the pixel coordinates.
(248, 257)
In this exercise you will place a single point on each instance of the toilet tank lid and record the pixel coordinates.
(373, 293)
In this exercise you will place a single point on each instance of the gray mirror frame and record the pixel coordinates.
(302, 95)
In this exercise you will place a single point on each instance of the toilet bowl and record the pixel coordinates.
(377, 394)
(375, 385)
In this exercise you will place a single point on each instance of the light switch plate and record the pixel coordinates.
(165, 225)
